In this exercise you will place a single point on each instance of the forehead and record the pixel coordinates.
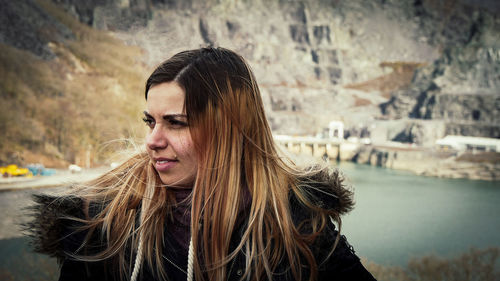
(164, 98)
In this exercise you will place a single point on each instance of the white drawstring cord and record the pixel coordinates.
(190, 260)
(138, 261)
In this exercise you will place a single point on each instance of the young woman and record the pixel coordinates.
(210, 198)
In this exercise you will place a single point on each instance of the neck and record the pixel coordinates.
(182, 195)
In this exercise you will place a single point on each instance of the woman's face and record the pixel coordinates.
(168, 142)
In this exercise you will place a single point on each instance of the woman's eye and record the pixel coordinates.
(149, 122)
(177, 123)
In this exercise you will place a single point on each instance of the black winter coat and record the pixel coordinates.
(52, 235)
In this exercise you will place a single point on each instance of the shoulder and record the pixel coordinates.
(326, 193)
(344, 265)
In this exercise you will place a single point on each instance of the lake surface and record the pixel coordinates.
(399, 215)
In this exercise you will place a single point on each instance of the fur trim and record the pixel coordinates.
(51, 223)
(327, 190)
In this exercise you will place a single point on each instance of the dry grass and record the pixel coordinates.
(474, 265)
(480, 157)
(49, 161)
(361, 101)
(399, 79)
(90, 94)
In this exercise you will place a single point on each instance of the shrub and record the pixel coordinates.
(474, 265)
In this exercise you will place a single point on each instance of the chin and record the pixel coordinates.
(175, 183)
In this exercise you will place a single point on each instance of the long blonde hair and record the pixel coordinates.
(236, 156)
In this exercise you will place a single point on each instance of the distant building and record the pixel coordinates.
(336, 130)
(469, 143)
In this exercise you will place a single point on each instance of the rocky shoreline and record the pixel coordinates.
(432, 162)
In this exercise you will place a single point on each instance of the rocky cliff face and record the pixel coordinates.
(306, 54)
(109, 14)
(318, 61)
(25, 26)
(462, 87)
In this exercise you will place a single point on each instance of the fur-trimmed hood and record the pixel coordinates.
(51, 225)
(327, 190)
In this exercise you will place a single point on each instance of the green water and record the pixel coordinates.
(399, 215)
(19, 263)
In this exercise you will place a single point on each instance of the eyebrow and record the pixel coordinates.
(167, 116)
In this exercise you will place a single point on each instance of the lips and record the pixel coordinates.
(164, 164)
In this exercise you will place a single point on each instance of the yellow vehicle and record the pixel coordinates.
(14, 171)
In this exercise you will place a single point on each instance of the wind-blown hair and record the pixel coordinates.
(238, 164)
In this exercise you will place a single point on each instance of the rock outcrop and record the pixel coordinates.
(316, 61)
(426, 162)
(109, 14)
(462, 87)
(306, 54)
(26, 26)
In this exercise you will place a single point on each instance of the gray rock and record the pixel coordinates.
(306, 54)
(26, 26)
(112, 14)
(463, 85)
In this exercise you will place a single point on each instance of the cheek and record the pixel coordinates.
(185, 148)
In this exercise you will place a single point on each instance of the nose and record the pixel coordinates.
(156, 139)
